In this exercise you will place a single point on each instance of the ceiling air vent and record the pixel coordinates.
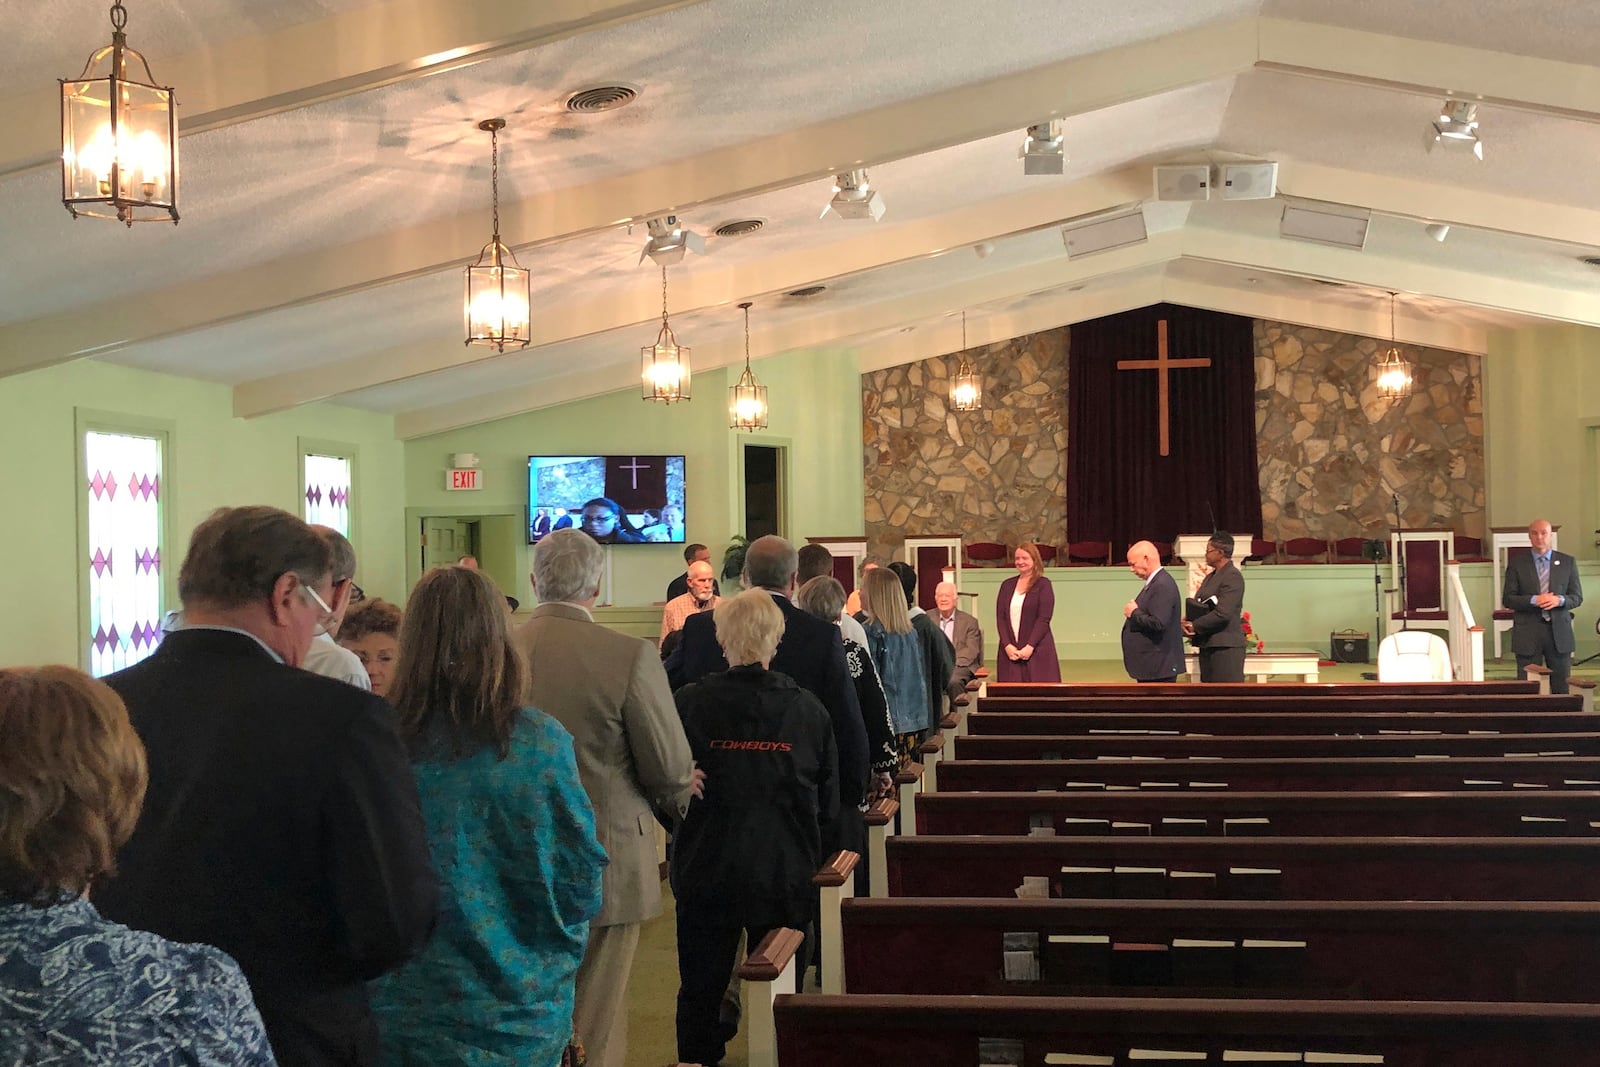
(739, 227)
(1593, 261)
(602, 98)
(810, 290)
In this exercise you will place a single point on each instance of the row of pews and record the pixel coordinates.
(1114, 875)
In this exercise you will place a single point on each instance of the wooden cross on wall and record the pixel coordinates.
(1161, 364)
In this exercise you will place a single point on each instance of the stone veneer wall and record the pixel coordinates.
(995, 474)
(1330, 451)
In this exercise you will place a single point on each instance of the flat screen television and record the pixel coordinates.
(617, 500)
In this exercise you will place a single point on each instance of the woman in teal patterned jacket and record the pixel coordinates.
(512, 837)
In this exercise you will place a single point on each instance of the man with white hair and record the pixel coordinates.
(610, 692)
(702, 596)
(1152, 627)
(327, 656)
(964, 633)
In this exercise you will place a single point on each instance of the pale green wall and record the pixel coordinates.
(816, 413)
(1542, 409)
(218, 460)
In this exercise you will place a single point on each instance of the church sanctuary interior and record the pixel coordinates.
(919, 280)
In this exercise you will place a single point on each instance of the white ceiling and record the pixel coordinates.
(331, 191)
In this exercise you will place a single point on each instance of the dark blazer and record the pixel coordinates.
(938, 661)
(1221, 626)
(812, 653)
(966, 635)
(1152, 635)
(282, 826)
(1522, 585)
(1037, 610)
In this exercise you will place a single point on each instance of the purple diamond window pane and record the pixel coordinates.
(126, 526)
(327, 480)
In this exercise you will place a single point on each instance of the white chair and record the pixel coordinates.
(1414, 656)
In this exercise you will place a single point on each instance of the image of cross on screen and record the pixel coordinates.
(617, 500)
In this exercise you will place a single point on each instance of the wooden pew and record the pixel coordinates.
(1410, 950)
(944, 1031)
(880, 820)
(988, 723)
(1370, 699)
(835, 884)
(1301, 746)
(1320, 868)
(1265, 775)
(1309, 690)
(1228, 813)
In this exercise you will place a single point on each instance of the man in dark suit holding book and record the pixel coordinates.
(1152, 629)
(1213, 620)
(1541, 589)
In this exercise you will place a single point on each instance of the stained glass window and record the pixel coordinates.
(124, 548)
(327, 481)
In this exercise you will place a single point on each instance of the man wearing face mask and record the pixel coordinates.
(281, 823)
(701, 596)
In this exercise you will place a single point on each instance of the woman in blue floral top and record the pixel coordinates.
(512, 837)
(75, 988)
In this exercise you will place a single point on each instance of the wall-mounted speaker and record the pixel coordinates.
(1183, 181)
(1249, 181)
(1103, 233)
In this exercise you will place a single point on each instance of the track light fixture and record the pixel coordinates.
(747, 399)
(119, 137)
(1392, 374)
(669, 241)
(1044, 149)
(854, 198)
(1457, 124)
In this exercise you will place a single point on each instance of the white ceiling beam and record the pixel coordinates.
(346, 53)
(858, 250)
(1430, 68)
(824, 328)
(894, 131)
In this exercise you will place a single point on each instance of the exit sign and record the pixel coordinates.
(463, 479)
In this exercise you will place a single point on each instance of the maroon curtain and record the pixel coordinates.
(1119, 486)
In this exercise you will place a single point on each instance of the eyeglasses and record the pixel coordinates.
(325, 616)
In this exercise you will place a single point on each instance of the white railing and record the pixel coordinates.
(1466, 636)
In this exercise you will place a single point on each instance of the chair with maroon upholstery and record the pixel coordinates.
(1262, 551)
(1350, 550)
(1089, 554)
(1164, 550)
(987, 554)
(1470, 550)
(1047, 554)
(1305, 550)
(1421, 600)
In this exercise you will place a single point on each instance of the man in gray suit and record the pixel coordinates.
(1541, 589)
(965, 635)
(610, 692)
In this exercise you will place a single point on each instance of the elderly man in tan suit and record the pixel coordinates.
(610, 692)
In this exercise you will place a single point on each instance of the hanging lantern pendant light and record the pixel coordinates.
(119, 138)
(747, 399)
(1392, 374)
(499, 291)
(664, 371)
(966, 388)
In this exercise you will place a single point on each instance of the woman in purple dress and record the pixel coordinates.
(1022, 619)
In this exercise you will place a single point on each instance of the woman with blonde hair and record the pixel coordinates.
(511, 833)
(74, 987)
(897, 653)
(1023, 610)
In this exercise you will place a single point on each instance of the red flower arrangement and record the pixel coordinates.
(1250, 635)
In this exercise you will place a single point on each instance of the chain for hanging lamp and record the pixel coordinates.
(966, 388)
(664, 370)
(499, 292)
(747, 399)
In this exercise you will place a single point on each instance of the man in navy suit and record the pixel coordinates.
(1541, 589)
(812, 653)
(1152, 627)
